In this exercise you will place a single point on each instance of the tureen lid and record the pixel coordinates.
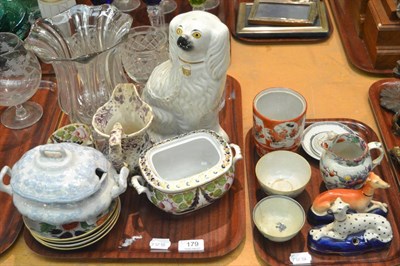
(59, 173)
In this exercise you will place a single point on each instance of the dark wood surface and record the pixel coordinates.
(354, 46)
(278, 253)
(13, 144)
(221, 224)
(232, 20)
(383, 118)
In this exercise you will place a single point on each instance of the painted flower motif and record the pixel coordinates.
(347, 178)
(259, 131)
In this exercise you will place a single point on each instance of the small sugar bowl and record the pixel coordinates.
(62, 183)
(187, 172)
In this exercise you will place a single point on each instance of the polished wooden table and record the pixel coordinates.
(320, 71)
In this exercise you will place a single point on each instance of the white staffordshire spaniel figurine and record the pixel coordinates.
(187, 91)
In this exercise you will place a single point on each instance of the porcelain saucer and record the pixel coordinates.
(316, 134)
(93, 238)
(81, 230)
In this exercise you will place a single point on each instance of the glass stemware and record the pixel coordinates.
(101, 2)
(145, 48)
(168, 6)
(14, 18)
(197, 4)
(126, 5)
(156, 13)
(211, 4)
(20, 76)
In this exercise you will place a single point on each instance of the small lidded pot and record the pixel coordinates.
(187, 172)
(63, 183)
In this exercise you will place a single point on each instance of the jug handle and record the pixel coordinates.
(3, 187)
(115, 139)
(376, 145)
(136, 183)
(238, 152)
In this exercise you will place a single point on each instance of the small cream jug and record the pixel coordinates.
(346, 161)
(123, 121)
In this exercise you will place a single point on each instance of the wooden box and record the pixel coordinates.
(381, 34)
(357, 10)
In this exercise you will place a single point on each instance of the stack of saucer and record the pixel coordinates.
(75, 235)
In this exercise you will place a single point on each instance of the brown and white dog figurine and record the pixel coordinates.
(359, 200)
(186, 92)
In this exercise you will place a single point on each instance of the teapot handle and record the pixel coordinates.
(3, 187)
(376, 145)
(136, 183)
(238, 152)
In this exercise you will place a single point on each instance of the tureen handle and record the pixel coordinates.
(121, 182)
(139, 187)
(238, 153)
(4, 187)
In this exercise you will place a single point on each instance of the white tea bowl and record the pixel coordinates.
(283, 173)
(278, 218)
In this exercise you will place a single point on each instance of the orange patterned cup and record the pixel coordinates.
(279, 116)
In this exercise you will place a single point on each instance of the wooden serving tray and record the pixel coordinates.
(278, 253)
(354, 46)
(13, 144)
(383, 118)
(221, 224)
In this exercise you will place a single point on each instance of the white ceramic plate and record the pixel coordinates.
(315, 134)
(93, 239)
(34, 227)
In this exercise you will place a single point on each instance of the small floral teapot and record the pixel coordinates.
(346, 161)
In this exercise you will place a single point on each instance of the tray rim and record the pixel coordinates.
(263, 254)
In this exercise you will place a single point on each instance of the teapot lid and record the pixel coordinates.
(58, 173)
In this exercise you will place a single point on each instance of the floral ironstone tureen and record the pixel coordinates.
(62, 183)
(187, 172)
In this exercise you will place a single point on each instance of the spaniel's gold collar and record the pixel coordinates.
(191, 63)
(186, 67)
